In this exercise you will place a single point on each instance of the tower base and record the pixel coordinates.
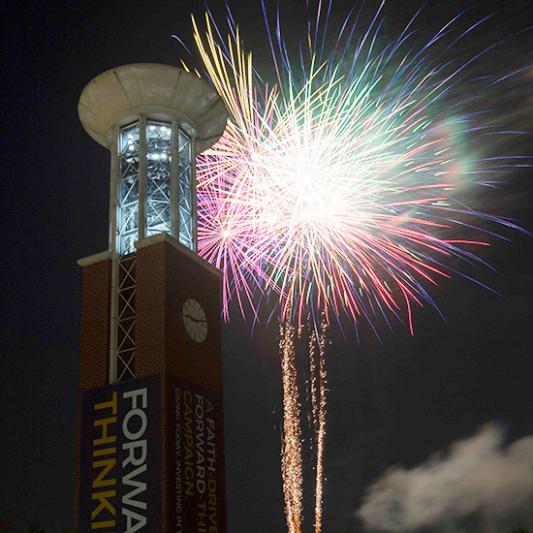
(151, 448)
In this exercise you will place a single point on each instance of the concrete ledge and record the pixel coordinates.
(165, 237)
(93, 259)
(121, 94)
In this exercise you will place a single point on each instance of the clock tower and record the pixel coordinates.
(150, 423)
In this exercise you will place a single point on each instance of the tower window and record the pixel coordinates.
(128, 190)
(186, 196)
(158, 172)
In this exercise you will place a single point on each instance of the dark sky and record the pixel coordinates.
(394, 401)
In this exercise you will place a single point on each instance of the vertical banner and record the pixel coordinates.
(198, 460)
(120, 458)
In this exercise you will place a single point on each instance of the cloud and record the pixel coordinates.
(478, 485)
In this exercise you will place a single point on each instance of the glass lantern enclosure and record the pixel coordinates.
(155, 192)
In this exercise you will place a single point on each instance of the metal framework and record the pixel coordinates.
(186, 188)
(126, 318)
(128, 191)
(153, 190)
(158, 177)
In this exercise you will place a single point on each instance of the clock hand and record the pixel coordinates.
(198, 321)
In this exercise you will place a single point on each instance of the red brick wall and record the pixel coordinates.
(94, 342)
(166, 277)
(150, 300)
(95, 325)
(201, 363)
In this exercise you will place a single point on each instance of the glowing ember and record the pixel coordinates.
(318, 382)
(291, 449)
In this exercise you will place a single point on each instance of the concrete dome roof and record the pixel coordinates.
(117, 96)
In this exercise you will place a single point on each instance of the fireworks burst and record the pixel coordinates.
(337, 187)
(338, 192)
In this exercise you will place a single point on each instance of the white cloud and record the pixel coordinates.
(479, 482)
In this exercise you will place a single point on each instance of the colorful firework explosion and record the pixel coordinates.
(335, 188)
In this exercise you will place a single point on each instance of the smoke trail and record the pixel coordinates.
(291, 448)
(480, 479)
(317, 370)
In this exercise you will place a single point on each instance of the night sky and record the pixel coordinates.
(393, 401)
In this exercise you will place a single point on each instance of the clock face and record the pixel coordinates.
(194, 320)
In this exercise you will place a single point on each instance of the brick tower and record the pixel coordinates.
(150, 426)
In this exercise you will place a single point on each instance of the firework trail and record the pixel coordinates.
(291, 456)
(318, 382)
(337, 188)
